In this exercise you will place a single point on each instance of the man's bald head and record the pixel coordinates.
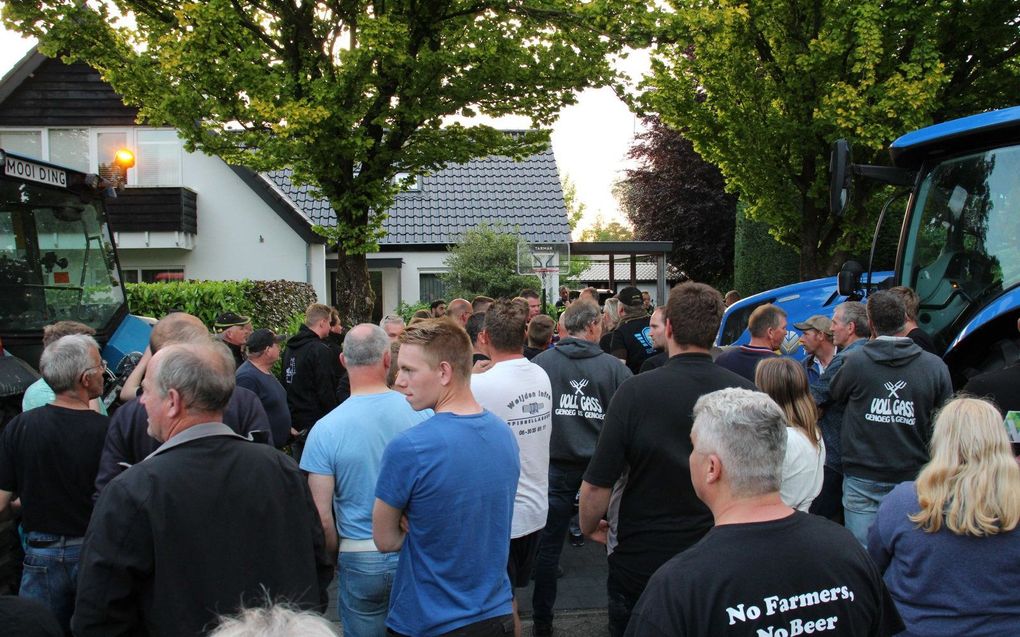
(175, 328)
(459, 310)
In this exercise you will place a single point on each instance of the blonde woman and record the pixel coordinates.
(948, 542)
(610, 321)
(784, 380)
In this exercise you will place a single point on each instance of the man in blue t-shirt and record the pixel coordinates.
(256, 374)
(342, 458)
(445, 496)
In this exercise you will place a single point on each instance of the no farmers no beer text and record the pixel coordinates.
(782, 607)
(17, 167)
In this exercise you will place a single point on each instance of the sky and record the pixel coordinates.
(590, 139)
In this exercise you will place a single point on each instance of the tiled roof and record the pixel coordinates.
(599, 271)
(493, 190)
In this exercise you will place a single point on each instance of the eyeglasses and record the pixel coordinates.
(102, 365)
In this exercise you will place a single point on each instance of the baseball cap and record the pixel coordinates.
(816, 322)
(629, 296)
(262, 338)
(230, 319)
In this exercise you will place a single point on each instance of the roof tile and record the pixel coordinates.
(491, 190)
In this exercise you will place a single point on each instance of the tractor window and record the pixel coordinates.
(56, 260)
(961, 248)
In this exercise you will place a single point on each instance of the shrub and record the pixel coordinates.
(407, 310)
(277, 303)
(272, 304)
(485, 262)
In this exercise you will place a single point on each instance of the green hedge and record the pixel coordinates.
(759, 261)
(271, 304)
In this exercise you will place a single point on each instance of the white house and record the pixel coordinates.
(193, 216)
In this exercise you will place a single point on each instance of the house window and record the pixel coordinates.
(158, 151)
(432, 288)
(159, 158)
(70, 147)
(107, 145)
(22, 142)
(153, 275)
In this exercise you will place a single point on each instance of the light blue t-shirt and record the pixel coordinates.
(348, 443)
(39, 394)
(455, 477)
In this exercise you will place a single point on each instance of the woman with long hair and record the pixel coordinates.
(948, 543)
(784, 380)
(610, 321)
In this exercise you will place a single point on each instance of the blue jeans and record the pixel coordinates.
(50, 573)
(564, 481)
(861, 498)
(364, 581)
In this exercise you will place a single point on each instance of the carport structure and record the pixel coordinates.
(659, 250)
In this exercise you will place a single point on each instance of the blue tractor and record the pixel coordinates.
(959, 245)
(58, 262)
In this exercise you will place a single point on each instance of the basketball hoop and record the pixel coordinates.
(543, 259)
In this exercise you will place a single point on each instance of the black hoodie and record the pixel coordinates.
(310, 373)
(890, 387)
(584, 379)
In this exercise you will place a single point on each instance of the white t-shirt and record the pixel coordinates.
(802, 470)
(519, 392)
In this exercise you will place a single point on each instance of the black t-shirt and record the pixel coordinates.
(647, 432)
(634, 337)
(606, 341)
(655, 361)
(50, 457)
(795, 576)
(922, 339)
(531, 352)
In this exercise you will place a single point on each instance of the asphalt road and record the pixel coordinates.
(581, 594)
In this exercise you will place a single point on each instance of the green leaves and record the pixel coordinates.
(346, 94)
(762, 88)
(271, 304)
(485, 262)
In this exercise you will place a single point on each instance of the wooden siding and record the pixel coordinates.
(57, 94)
(154, 210)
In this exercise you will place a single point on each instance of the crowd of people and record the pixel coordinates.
(432, 468)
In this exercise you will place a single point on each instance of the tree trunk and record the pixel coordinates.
(353, 294)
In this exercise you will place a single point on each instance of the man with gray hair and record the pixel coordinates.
(890, 387)
(393, 324)
(342, 458)
(764, 568)
(49, 456)
(583, 379)
(849, 328)
(208, 512)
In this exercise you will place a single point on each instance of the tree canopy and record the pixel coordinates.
(763, 87)
(603, 230)
(675, 195)
(348, 94)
